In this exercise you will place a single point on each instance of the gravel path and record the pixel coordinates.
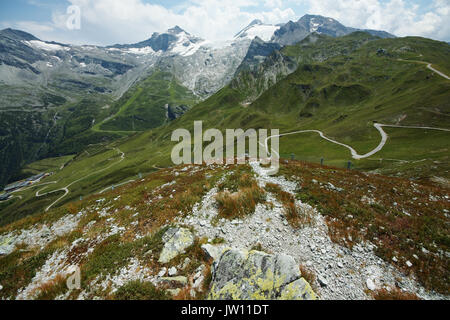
(341, 273)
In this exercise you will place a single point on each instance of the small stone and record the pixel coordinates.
(187, 261)
(162, 273)
(172, 271)
(371, 285)
(409, 264)
(322, 281)
(176, 241)
(340, 265)
(394, 259)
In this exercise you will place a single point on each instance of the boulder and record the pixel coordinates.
(255, 275)
(176, 241)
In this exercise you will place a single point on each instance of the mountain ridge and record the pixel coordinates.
(56, 81)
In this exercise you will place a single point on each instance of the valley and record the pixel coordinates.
(360, 205)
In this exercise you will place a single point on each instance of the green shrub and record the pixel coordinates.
(138, 290)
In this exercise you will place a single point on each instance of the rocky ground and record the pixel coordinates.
(341, 273)
(259, 255)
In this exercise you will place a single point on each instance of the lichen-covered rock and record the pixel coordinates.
(298, 290)
(254, 275)
(176, 240)
(6, 246)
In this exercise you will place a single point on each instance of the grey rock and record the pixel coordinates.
(371, 285)
(163, 272)
(257, 275)
(177, 240)
(322, 281)
(172, 271)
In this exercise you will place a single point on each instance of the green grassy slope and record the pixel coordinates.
(143, 106)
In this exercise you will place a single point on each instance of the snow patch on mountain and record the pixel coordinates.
(258, 29)
(140, 51)
(314, 26)
(37, 44)
(186, 45)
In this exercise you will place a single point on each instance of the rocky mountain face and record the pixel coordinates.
(258, 51)
(175, 40)
(257, 73)
(293, 32)
(51, 91)
(68, 70)
(252, 80)
(202, 66)
(263, 66)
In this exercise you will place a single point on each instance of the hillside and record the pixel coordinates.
(149, 104)
(161, 237)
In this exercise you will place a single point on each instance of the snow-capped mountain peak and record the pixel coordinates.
(257, 29)
(186, 44)
(176, 30)
(174, 41)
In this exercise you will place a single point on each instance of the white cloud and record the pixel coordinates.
(124, 21)
(396, 16)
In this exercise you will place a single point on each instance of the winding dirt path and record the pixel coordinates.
(66, 188)
(355, 155)
(429, 66)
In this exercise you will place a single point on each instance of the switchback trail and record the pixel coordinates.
(429, 66)
(66, 188)
(355, 155)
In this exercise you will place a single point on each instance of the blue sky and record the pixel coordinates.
(123, 21)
